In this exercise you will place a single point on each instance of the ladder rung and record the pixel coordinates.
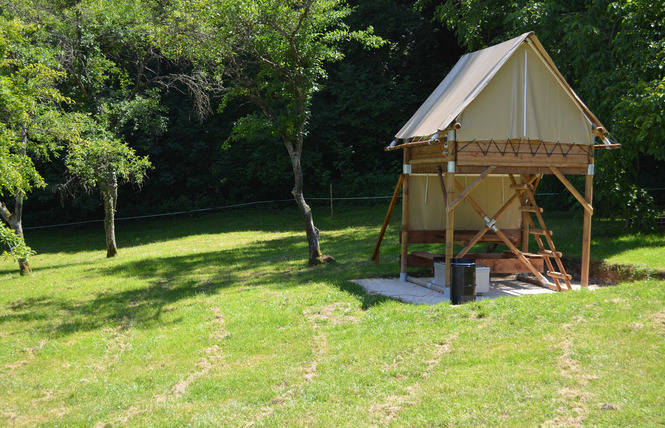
(532, 255)
(520, 186)
(531, 209)
(559, 275)
(550, 253)
(540, 232)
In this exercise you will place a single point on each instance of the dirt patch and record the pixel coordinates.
(658, 319)
(393, 404)
(573, 399)
(604, 273)
(334, 314)
(439, 350)
(31, 355)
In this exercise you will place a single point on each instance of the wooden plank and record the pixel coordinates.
(508, 265)
(498, 263)
(550, 253)
(471, 187)
(426, 151)
(531, 209)
(587, 207)
(391, 207)
(439, 236)
(558, 275)
(605, 147)
(513, 169)
(520, 160)
(429, 161)
(540, 232)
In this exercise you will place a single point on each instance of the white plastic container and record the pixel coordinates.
(440, 274)
(482, 279)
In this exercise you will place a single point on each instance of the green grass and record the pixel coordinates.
(217, 321)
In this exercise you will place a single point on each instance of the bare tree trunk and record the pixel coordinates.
(109, 192)
(315, 255)
(15, 223)
(15, 220)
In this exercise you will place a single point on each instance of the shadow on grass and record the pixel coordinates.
(165, 280)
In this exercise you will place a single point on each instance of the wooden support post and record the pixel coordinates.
(586, 234)
(393, 201)
(404, 252)
(450, 219)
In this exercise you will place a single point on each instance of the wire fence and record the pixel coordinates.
(202, 210)
(247, 204)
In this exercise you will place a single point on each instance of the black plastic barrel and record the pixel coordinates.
(462, 281)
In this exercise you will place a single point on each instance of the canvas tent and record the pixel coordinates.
(474, 154)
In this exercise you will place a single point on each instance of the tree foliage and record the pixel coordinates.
(32, 121)
(271, 52)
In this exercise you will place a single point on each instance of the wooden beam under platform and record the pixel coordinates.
(497, 262)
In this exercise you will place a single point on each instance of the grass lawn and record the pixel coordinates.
(217, 321)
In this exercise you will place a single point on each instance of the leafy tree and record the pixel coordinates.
(103, 163)
(611, 52)
(31, 122)
(271, 52)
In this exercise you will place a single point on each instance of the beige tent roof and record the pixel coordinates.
(511, 90)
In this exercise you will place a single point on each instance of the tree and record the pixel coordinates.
(103, 163)
(271, 52)
(31, 121)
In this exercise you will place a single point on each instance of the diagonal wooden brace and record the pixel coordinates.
(485, 229)
(503, 237)
(398, 188)
(586, 205)
(465, 192)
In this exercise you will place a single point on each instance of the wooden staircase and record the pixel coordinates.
(543, 235)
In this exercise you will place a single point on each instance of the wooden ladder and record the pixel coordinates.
(528, 204)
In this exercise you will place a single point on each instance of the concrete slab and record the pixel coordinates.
(415, 289)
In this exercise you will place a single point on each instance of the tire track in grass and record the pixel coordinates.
(213, 357)
(573, 398)
(319, 346)
(388, 410)
(30, 356)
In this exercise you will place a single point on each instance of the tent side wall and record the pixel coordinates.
(427, 208)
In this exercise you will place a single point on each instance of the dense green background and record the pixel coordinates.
(612, 54)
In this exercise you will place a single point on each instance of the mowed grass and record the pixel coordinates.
(217, 321)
